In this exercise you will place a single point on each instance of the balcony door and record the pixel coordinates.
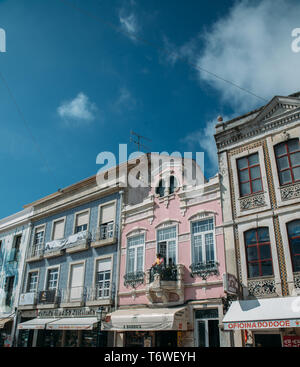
(76, 282)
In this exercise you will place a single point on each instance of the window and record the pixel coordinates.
(32, 281)
(203, 246)
(162, 190)
(52, 279)
(207, 328)
(294, 241)
(135, 254)
(9, 287)
(103, 278)
(288, 161)
(58, 229)
(16, 248)
(258, 252)
(81, 222)
(107, 221)
(249, 175)
(76, 282)
(166, 244)
(38, 241)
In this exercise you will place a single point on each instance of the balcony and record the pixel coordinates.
(99, 295)
(134, 279)
(28, 300)
(74, 243)
(164, 285)
(73, 297)
(48, 298)
(204, 270)
(103, 236)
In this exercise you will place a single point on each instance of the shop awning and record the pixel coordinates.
(146, 319)
(266, 313)
(35, 323)
(73, 323)
(3, 321)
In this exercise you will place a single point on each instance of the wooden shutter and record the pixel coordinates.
(58, 230)
(107, 213)
(82, 219)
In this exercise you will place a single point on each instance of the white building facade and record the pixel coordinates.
(259, 166)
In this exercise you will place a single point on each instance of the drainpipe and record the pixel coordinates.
(118, 258)
(15, 333)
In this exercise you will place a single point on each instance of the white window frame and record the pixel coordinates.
(39, 228)
(205, 320)
(58, 220)
(100, 258)
(99, 223)
(70, 275)
(88, 210)
(27, 280)
(162, 227)
(46, 277)
(213, 231)
(135, 252)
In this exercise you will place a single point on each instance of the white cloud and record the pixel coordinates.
(203, 140)
(129, 24)
(251, 47)
(125, 101)
(79, 109)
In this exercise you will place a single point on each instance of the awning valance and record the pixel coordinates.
(269, 313)
(35, 324)
(73, 323)
(146, 319)
(5, 320)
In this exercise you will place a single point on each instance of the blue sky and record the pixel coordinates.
(80, 85)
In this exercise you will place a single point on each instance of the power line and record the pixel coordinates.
(159, 48)
(23, 119)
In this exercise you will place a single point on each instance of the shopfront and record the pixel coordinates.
(71, 331)
(270, 322)
(5, 331)
(148, 327)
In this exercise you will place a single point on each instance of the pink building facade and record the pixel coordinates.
(179, 303)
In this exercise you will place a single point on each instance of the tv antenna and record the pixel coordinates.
(138, 142)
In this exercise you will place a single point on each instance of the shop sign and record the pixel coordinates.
(67, 312)
(291, 341)
(231, 284)
(274, 324)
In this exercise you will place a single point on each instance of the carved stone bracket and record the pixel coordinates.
(261, 288)
(252, 202)
(290, 192)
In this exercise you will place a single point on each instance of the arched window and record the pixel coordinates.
(258, 252)
(294, 241)
(173, 184)
(160, 189)
(288, 161)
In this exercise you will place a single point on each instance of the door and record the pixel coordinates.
(208, 333)
(267, 340)
(76, 282)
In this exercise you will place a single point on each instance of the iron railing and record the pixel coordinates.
(166, 273)
(204, 269)
(134, 279)
(98, 293)
(73, 294)
(48, 296)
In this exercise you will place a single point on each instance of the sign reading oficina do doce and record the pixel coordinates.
(267, 324)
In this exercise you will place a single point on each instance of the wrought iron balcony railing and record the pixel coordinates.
(204, 269)
(48, 296)
(167, 273)
(104, 232)
(99, 293)
(73, 294)
(134, 279)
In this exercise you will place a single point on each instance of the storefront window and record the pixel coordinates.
(71, 338)
(89, 338)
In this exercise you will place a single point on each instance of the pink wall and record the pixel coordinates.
(173, 212)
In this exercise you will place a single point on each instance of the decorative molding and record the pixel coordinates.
(167, 222)
(202, 214)
(290, 192)
(297, 280)
(252, 202)
(261, 288)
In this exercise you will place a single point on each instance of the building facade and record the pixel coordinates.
(181, 302)
(14, 236)
(71, 267)
(259, 167)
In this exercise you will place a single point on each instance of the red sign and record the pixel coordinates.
(291, 341)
